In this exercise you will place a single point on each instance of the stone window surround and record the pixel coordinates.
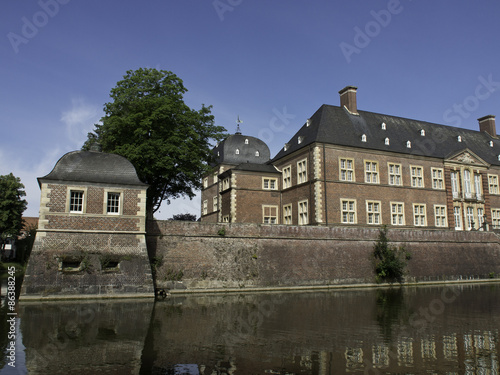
(120, 202)
(70, 189)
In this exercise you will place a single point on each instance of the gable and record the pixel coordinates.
(466, 157)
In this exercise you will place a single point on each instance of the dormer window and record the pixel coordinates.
(498, 157)
(422, 133)
(387, 141)
(363, 138)
(408, 144)
(300, 139)
(237, 151)
(491, 143)
(246, 141)
(285, 148)
(459, 138)
(257, 153)
(308, 122)
(383, 126)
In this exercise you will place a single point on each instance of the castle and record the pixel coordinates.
(347, 167)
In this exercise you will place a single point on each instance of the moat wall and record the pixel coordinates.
(195, 256)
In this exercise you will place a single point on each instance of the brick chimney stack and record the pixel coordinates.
(487, 125)
(348, 98)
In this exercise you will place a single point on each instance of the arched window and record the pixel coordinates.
(363, 138)
(387, 141)
(408, 144)
(237, 151)
(257, 153)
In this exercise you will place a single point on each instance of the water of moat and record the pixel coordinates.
(414, 330)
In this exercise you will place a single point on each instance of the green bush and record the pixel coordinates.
(390, 261)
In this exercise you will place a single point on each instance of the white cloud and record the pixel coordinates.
(80, 120)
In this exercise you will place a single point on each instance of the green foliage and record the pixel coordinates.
(491, 275)
(184, 217)
(390, 261)
(168, 143)
(222, 232)
(12, 206)
(25, 245)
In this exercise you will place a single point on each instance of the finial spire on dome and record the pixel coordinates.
(238, 122)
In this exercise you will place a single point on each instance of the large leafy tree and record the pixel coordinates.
(169, 143)
(12, 206)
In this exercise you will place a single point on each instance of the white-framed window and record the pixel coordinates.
(237, 151)
(457, 216)
(346, 169)
(437, 178)
(417, 176)
(216, 177)
(397, 213)
(225, 219)
(440, 216)
(205, 207)
(469, 216)
(302, 171)
(395, 174)
(226, 183)
(76, 201)
(287, 214)
(215, 202)
(371, 172)
(467, 184)
(269, 183)
(205, 182)
(348, 214)
(493, 183)
(495, 218)
(303, 212)
(287, 176)
(113, 203)
(373, 213)
(455, 186)
(478, 186)
(480, 218)
(270, 214)
(419, 215)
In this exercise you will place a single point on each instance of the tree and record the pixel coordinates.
(168, 143)
(390, 261)
(12, 206)
(184, 217)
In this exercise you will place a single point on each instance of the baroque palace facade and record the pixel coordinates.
(350, 167)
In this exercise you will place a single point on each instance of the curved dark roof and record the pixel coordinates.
(238, 148)
(96, 167)
(335, 125)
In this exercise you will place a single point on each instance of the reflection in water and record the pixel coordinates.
(451, 330)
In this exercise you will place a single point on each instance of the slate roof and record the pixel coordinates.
(252, 167)
(94, 167)
(337, 126)
(225, 151)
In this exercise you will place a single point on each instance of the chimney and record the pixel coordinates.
(348, 99)
(487, 125)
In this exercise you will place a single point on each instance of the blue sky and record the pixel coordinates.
(273, 63)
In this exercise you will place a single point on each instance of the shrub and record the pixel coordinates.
(390, 261)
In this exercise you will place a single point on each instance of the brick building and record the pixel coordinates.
(350, 167)
(91, 230)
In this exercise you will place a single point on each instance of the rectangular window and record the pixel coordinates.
(480, 218)
(419, 215)
(303, 213)
(287, 177)
(440, 216)
(270, 183)
(215, 203)
(437, 178)
(302, 171)
(397, 213)
(469, 215)
(495, 218)
(346, 170)
(216, 177)
(225, 219)
(457, 215)
(417, 177)
(371, 172)
(395, 174)
(76, 201)
(493, 183)
(373, 212)
(226, 184)
(454, 185)
(205, 182)
(270, 214)
(348, 207)
(205, 207)
(478, 186)
(467, 184)
(113, 203)
(287, 214)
